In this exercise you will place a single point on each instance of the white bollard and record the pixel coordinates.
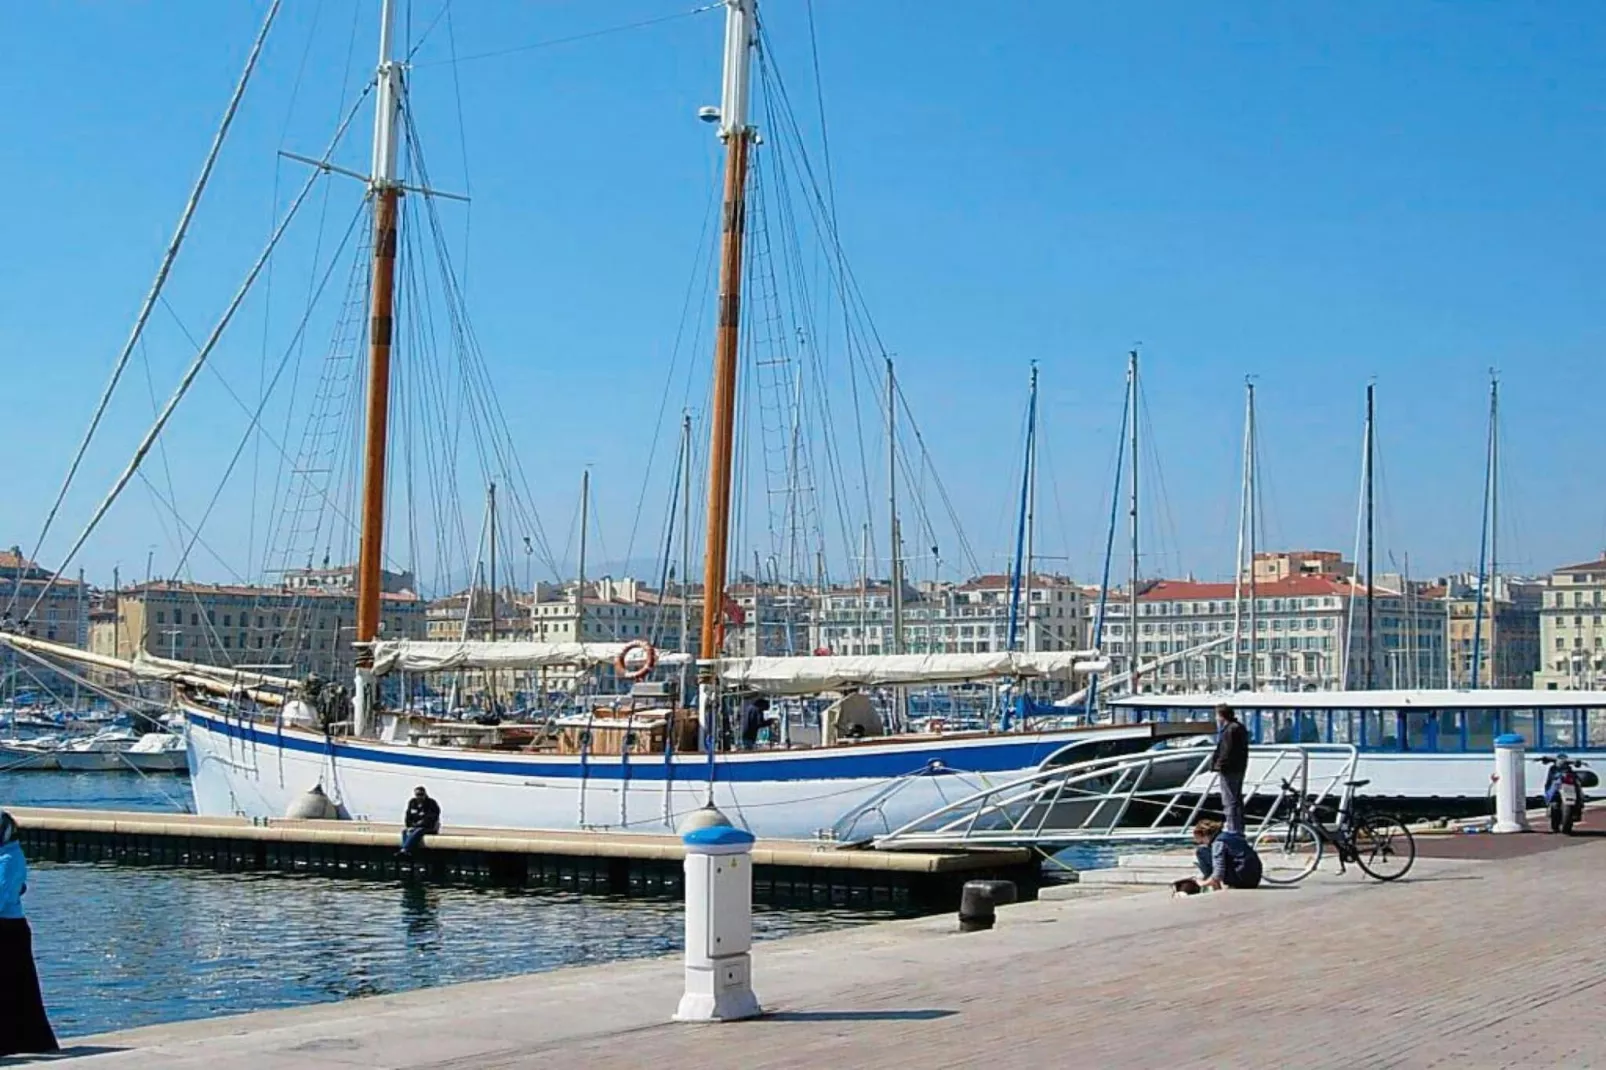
(719, 926)
(1511, 784)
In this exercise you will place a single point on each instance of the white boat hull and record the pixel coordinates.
(92, 761)
(19, 759)
(247, 769)
(167, 761)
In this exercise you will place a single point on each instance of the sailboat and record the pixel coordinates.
(257, 744)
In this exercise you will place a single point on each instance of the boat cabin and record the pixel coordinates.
(1427, 722)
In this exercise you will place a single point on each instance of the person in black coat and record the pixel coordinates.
(423, 819)
(1230, 763)
(24, 1026)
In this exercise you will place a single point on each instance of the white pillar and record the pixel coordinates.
(1511, 788)
(719, 926)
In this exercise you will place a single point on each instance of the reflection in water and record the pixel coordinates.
(120, 947)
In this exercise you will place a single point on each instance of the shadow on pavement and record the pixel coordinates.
(858, 1016)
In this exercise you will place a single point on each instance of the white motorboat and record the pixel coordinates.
(33, 754)
(102, 752)
(157, 752)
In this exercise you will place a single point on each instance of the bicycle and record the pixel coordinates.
(1292, 848)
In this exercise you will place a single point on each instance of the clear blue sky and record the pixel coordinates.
(1313, 194)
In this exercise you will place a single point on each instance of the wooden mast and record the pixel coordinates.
(740, 25)
(385, 189)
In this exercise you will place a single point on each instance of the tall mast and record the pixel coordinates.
(1132, 514)
(1022, 568)
(864, 590)
(384, 188)
(580, 584)
(685, 539)
(1486, 536)
(1254, 524)
(758, 615)
(734, 131)
(1371, 461)
(892, 510)
(490, 510)
(1238, 563)
(899, 696)
(1031, 511)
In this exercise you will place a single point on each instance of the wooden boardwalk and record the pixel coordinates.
(1472, 963)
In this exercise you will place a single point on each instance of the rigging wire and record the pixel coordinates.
(554, 41)
(149, 304)
(189, 375)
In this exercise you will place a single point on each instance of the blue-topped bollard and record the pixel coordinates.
(1511, 784)
(719, 925)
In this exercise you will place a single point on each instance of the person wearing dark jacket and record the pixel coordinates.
(1230, 763)
(24, 1026)
(423, 819)
(1225, 858)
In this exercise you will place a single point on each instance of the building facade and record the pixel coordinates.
(1298, 633)
(967, 618)
(1572, 628)
(274, 629)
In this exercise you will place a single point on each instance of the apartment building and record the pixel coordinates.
(278, 629)
(1302, 631)
(1572, 628)
(967, 618)
(62, 616)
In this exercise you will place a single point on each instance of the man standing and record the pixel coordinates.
(1230, 762)
(423, 819)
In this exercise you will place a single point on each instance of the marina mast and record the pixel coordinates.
(384, 188)
(734, 131)
(900, 697)
(1020, 596)
(1371, 464)
(1132, 596)
(1488, 562)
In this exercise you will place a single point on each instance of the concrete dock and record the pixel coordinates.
(785, 872)
(1490, 962)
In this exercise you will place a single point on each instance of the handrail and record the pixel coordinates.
(1155, 795)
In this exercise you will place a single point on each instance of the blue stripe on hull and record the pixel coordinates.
(972, 756)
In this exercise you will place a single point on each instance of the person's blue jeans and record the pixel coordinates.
(1207, 865)
(412, 838)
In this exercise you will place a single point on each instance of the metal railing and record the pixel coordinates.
(1153, 796)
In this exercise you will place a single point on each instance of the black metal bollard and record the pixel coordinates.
(978, 903)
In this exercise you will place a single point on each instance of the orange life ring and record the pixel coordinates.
(621, 663)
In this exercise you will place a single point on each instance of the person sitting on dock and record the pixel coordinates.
(24, 1026)
(1225, 858)
(1230, 763)
(423, 819)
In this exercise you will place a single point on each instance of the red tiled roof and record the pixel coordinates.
(996, 580)
(1597, 565)
(1290, 586)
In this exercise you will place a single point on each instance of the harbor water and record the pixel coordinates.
(125, 947)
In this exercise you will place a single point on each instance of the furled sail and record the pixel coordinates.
(808, 675)
(423, 655)
(214, 678)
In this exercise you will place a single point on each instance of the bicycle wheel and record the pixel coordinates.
(1289, 851)
(1384, 847)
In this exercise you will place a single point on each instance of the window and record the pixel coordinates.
(161, 616)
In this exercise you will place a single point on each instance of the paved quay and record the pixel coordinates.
(1490, 962)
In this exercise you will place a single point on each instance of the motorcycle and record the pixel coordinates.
(1564, 791)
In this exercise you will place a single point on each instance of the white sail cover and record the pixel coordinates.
(809, 675)
(424, 655)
